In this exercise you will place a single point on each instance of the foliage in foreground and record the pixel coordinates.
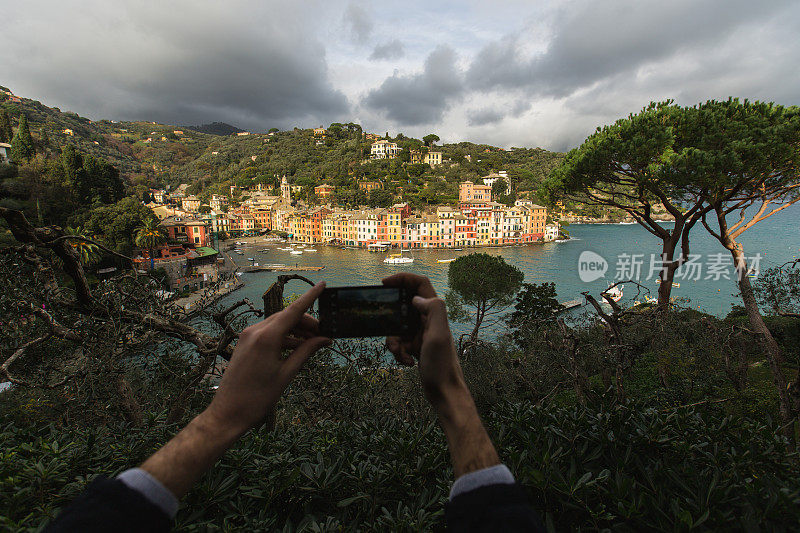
(625, 467)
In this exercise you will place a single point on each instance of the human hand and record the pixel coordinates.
(442, 379)
(439, 368)
(257, 374)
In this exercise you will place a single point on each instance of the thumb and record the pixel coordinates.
(428, 306)
(423, 305)
(301, 354)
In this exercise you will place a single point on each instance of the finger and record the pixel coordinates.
(393, 345)
(397, 348)
(430, 308)
(292, 341)
(419, 284)
(308, 324)
(290, 316)
(301, 354)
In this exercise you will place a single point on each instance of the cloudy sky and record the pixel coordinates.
(509, 73)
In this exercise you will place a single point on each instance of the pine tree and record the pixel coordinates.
(22, 143)
(5, 127)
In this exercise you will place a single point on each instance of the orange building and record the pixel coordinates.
(470, 192)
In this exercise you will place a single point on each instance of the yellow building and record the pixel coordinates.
(368, 186)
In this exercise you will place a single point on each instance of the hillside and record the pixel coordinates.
(123, 144)
(207, 158)
(216, 128)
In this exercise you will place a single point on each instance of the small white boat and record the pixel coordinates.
(445, 260)
(399, 259)
(255, 264)
(250, 259)
(676, 285)
(296, 252)
(614, 292)
(309, 250)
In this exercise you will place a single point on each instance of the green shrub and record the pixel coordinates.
(628, 467)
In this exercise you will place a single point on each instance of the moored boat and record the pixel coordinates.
(399, 258)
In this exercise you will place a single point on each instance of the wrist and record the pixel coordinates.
(470, 446)
(217, 428)
(454, 405)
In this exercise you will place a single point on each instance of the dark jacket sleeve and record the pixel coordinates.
(492, 508)
(110, 505)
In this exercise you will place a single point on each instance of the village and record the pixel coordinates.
(194, 229)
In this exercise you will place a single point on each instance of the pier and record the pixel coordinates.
(280, 268)
(570, 304)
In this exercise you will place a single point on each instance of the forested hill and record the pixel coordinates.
(216, 128)
(151, 155)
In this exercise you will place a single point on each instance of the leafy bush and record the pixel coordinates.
(627, 467)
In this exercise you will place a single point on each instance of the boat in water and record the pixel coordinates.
(296, 252)
(399, 258)
(445, 260)
(615, 293)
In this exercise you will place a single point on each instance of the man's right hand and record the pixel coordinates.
(433, 346)
(442, 379)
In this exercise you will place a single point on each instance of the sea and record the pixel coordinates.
(628, 250)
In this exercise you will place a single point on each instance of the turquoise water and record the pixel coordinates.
(776, 239)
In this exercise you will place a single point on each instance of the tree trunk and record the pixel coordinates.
(667, 275)
(130, 405)
(768, 345)
(478, 320)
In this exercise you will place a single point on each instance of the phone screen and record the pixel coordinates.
(369, 311)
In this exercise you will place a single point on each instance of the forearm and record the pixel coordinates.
(470, 447)
(181, 462)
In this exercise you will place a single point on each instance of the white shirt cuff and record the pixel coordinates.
(152, 489)
(493, 475)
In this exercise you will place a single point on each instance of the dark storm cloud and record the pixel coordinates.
(602, 39)
(421, 98)
(494, 114)
(487, 115)
(390, 50)
(177, 62)
(358, 23)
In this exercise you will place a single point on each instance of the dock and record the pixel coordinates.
(571, 304)
(280, 268)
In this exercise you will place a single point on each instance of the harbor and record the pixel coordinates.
(777, 241)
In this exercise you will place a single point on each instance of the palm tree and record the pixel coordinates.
(150, 235)
(87, 252)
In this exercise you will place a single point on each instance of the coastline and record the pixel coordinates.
(251, 241)
(188, 303)
(624, 221)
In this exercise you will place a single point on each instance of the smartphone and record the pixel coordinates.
(368, 311)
